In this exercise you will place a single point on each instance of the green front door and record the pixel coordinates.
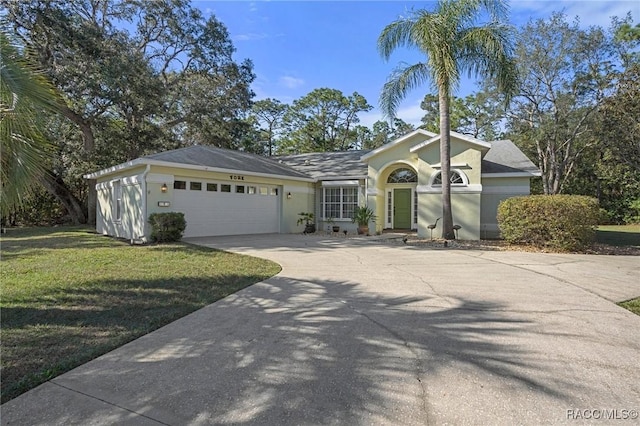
(402, 208)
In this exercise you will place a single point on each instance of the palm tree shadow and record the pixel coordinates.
(322, 351)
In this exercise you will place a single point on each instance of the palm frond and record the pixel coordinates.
(394, 35)
(402, 81)
(25, 95)
(487, 52)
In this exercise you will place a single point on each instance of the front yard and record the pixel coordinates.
(69, 295)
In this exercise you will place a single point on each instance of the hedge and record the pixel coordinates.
(558, 222)
(167, 227)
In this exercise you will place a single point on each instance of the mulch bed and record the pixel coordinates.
(499, 245)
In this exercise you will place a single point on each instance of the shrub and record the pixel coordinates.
(559, 222)
(167, 227)
(633, 214)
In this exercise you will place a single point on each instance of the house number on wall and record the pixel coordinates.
(236, 177)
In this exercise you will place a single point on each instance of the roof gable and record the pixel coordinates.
(455, 135)
(396, 142)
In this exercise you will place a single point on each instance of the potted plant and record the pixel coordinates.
(307, 219)
(362, 216)
(331, 221)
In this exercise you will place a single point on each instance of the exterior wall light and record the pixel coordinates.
(164, 188)
(288, 195)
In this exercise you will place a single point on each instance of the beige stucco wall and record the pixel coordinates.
(465, 209)
(466, 202)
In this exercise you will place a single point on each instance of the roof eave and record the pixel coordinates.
(116, 169)
(326, 178)
(511, 174)
(161, 163)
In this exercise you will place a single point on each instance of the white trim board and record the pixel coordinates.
(468, 189)
(515, 190)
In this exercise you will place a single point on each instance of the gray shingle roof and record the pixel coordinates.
(328, 165)
(505, 157)
(209, 156)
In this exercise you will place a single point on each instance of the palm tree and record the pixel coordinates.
(24, 95)
(453, 43)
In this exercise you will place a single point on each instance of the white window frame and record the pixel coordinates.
(463, 176)
(116, 200)
(341, 203)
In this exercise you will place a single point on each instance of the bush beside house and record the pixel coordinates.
(559, 222)
(167, 227)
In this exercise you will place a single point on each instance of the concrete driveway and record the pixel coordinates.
(368, 332)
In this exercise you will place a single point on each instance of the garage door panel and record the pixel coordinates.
(218, 213)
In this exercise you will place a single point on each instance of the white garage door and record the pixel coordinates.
(219, 208)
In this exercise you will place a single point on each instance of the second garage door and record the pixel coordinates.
(218, 208)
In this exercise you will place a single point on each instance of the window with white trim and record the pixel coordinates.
(339, 202)
(117, 201)
(403, 175)
(456, 178)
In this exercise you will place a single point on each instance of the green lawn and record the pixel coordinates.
(633, 305)
(619, 235)
(69, 295)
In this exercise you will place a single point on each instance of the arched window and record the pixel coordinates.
(403, 176)
(456, 178)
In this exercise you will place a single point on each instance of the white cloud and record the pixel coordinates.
(291, 82)
(250, 36)
(368, 118)
(410, 112)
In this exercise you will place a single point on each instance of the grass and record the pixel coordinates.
(632, 305)
(619, 235)
(622, 235)
(69, 295)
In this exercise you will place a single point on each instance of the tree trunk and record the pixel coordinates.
(445, 161)
(89, 148)
(56, 187)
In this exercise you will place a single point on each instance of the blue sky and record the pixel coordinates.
(298, 46)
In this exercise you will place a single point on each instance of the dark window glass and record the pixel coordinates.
(454, 178)
(179, 184)
(225, 188)
(212, 187)
(402, 176)
(195, 186)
